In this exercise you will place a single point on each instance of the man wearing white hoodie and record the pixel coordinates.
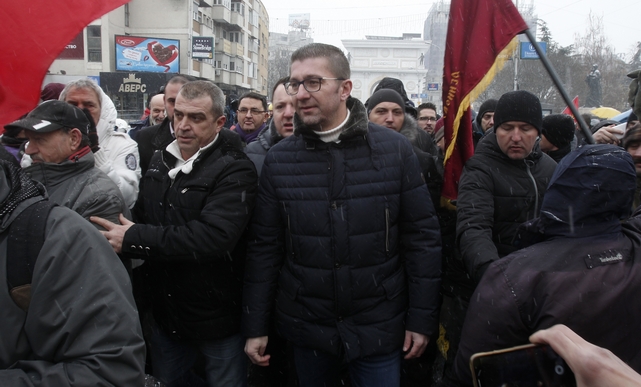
(118, 154)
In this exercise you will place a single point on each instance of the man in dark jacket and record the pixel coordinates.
(345, 226)
(583, 271)
(157, 137)
(80, 327)
(385, 108)
(484, 120)
(280, 126)
(195, 202)
(502, 186)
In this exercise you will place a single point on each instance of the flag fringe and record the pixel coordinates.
(499, 62)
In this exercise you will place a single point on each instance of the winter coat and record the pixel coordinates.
(427, 154)
(257, 150)
(76, 184)
(583, 272)
(496, 194)
(345, 239)
(152, 139)
(118, 154)
(189, 232)
(82, 327)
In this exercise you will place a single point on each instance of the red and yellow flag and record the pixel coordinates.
(34, 33)
(481, 35)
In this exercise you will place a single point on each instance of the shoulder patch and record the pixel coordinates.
(130, 161)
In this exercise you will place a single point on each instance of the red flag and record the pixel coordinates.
(567, 110)
(480, 36)
(34, 33)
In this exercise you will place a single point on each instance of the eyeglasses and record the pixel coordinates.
(427, 119)
(254, 112)
(312, 85)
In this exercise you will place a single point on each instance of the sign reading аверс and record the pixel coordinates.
(202, 47)
(135, 53)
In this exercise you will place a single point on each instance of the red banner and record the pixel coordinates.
(480, 36)
(35, 32)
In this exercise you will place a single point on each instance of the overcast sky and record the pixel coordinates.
(333, 20)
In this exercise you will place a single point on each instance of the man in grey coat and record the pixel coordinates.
(80, 327)
(64, 163)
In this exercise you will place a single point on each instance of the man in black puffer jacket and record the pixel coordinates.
(194, 204)
(345, 239)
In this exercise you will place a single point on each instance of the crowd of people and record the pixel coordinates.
(307, 244)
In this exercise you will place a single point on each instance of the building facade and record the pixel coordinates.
(135, 48)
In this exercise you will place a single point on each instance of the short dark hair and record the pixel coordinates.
(338, 63)
(180, 79)
(253, 95)
(427, 105)
(279, 82)
(198, 89)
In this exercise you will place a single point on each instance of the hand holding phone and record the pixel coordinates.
(523, 366)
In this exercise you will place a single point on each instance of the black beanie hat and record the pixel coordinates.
(384, 95)
(558, 129)
(487, 106)
(521, 106)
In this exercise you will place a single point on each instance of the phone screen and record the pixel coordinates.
(524, 366)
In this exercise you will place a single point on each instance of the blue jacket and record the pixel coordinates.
(346, 240)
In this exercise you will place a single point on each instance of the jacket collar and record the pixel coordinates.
(51, 174)
(355, 126)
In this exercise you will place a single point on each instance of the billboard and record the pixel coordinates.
(135, 53)
(299, 20)
(75, 49)
(432, 87)
(202, 47)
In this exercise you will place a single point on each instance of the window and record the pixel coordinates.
(238, 7)
(236, 37)
(94, 44)
(224, 3)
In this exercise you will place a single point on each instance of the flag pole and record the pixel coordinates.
(557, 82)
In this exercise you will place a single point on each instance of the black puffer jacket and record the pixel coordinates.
(348, 234)
(496, 195)
(188, 232)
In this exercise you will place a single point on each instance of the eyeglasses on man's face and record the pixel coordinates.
(254, 112)
(312, 85)
(427, 119)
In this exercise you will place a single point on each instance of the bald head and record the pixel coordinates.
(156, 109)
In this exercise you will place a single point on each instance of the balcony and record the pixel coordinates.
(221, 14)
(223, 45)
(237, 49)
(237, 19)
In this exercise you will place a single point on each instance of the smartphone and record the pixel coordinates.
(620, 130)
(528, 365)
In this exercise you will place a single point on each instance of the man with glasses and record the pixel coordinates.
(336, 202)
(252, 116)
(427, 117)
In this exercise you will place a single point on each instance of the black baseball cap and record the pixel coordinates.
(53, 115)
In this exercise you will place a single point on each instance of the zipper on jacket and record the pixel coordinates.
(289, 230)
(536, 189)
(386, 229)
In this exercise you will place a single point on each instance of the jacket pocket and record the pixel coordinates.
(395, 284)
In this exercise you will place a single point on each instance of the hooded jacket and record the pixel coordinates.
(583, 270)
(76, 184)
(118, 155)
(496, 195)
(82, 327)
(345, 240)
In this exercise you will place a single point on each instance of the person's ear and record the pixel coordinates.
(75, 138)
(346, 89)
